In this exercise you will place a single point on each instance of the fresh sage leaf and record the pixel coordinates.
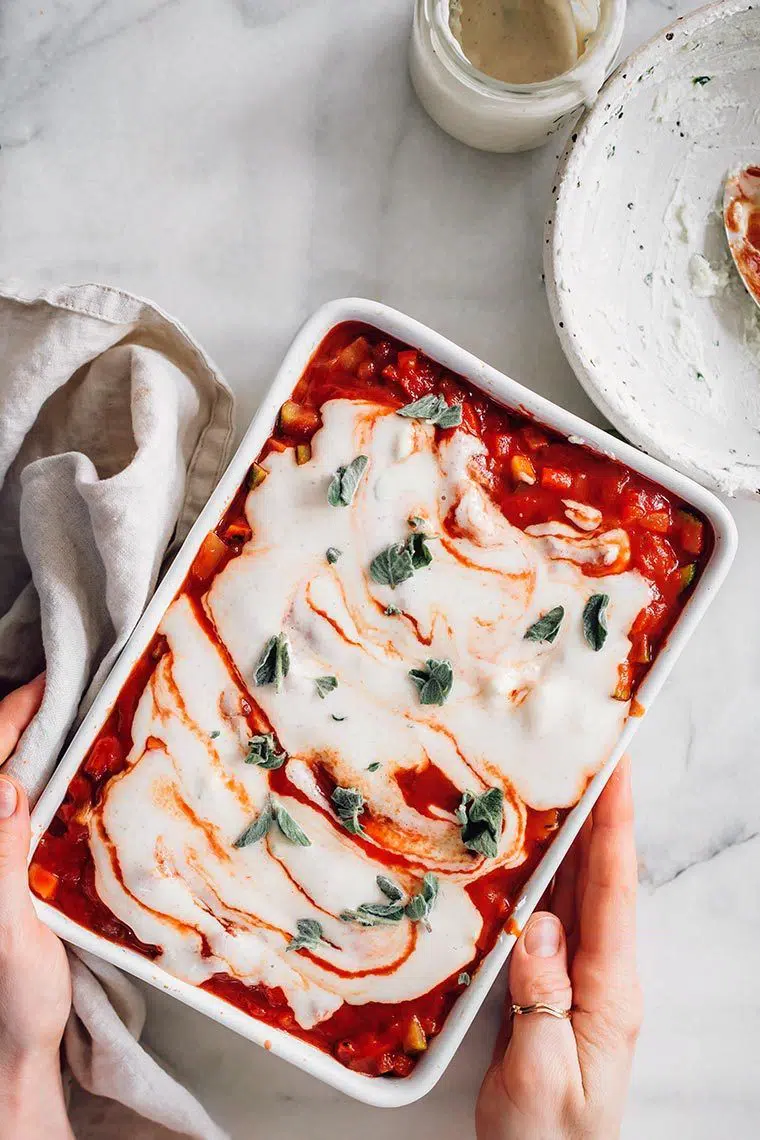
(595, 620)
(326, 685)
(274, 663)
(258, 829)
(434, 682)
(373, 767)
(417, 546)
(310, 935)
(390, 889)
(288, 826)
(338, 718)
(332, 554)
(420, 905)
(481, 819)
(213, 735)
(345, 481)
(464, 979)
(392, 566)
(349, 805)
(547, 627)
(392, 611)
(374, 914)
(433, 410)
(262, 752)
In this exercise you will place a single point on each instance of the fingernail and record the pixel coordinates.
(542, 938)
(8, 798)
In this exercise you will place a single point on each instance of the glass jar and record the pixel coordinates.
(489, 114)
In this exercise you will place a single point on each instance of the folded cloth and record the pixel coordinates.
(114, 428)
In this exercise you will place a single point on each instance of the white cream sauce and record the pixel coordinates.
(536, 719)
(523, 41)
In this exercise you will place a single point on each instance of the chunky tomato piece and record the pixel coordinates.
(212, 551)
(691, 531)
(106, 756)
(557, 479)
(297, 421)
(44, 883)
(653, 555)
(534, 438)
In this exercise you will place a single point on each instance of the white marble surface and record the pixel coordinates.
(240, 162)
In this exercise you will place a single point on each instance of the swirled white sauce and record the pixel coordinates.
(536, 719)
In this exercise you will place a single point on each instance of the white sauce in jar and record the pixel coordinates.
(518, 41)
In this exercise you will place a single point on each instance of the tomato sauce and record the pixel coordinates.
(529, 470)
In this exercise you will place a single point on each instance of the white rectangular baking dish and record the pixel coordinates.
(378, 1091)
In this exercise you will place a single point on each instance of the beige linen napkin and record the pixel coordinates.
(114, 428)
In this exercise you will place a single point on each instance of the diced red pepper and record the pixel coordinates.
(653, 555)
(691, 531)
(106, 757)
(44, 883)
(534, 439)
(556, 479)
(238, 532)
(211, 553)
(366, 370)
(502, 444)
(641, 649)
(407, 361)
(656, 521)
(625, 682)
(470, 417)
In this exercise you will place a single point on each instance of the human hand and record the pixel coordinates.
(554, 1079)
(35, 986)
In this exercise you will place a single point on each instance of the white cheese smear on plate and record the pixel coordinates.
(535, 719)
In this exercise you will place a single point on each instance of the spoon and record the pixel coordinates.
(741, 216)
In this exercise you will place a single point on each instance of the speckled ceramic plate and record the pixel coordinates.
(650, 310)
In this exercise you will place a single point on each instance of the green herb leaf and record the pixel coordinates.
(481, 819)
(262, 752)
(417, 546)
(701, 80)
(274, 663)
(389, 888)
(464, 979)
(415, 522)
(420, 905)
(338, 718)
(258, 829)
(326, 685)
(373, 767)
(434, 682)
(309, 936)
(288, 826)
(392, 566)
(595, 620)
(349, 805)
(547, 627)
(345, 481)
(374, 914)
(433, 410)
(332, 554)
(213, 735)
(391, 611)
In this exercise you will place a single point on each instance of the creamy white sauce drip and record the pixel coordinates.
(535, 719)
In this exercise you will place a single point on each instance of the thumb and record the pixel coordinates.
(541, 1057)
(14, 846)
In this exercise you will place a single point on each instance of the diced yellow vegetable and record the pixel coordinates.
(522, 469)
(297, 420)
(686, 574)
(303, 453)
(256, 475)
(43, 882)
(415, 1040)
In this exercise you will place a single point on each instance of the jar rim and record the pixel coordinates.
(588, 73)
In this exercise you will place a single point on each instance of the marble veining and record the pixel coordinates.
(240, 163)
